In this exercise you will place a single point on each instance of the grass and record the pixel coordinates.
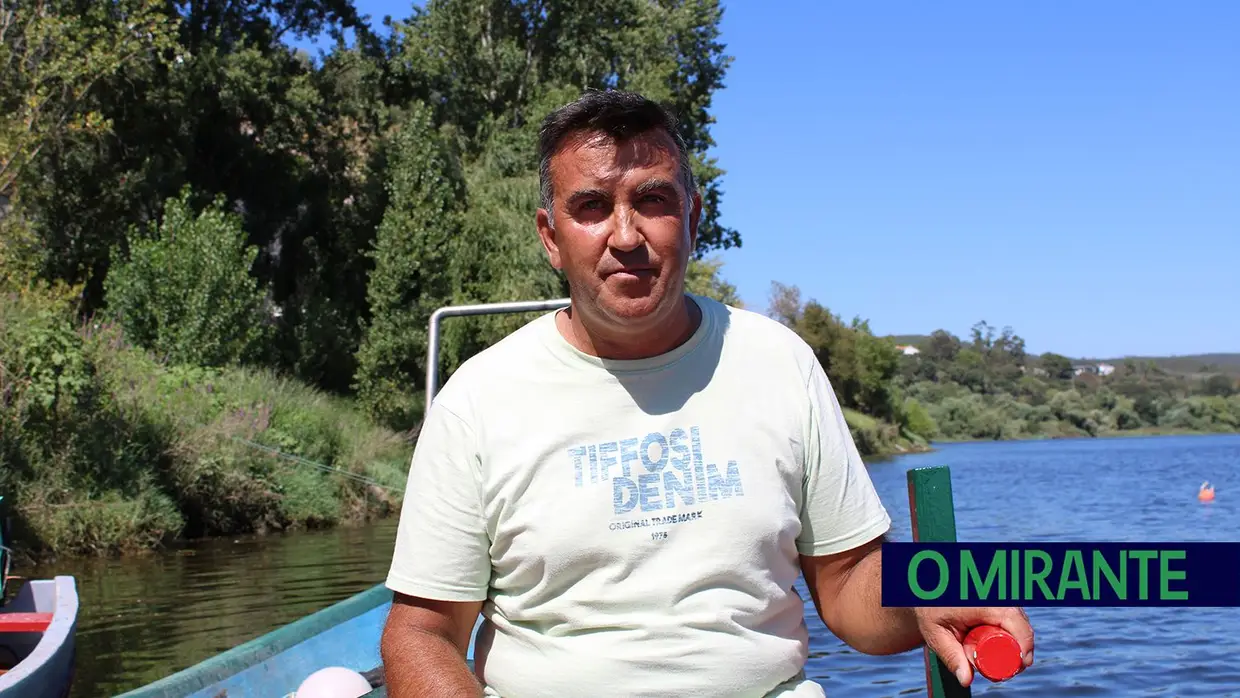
(106, 449)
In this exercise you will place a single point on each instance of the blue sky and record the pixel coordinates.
(1069, 169)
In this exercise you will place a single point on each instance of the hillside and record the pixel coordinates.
(1191, 365)
(1188, 365)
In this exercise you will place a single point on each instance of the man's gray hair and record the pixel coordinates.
(616, 114)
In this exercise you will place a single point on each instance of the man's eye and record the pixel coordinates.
(654, 198)
(592, 205)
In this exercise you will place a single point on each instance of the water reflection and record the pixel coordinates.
(144, 618)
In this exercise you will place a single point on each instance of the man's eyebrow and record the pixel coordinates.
(581, 194)
(654, 184)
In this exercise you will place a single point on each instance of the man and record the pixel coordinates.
(628, 489)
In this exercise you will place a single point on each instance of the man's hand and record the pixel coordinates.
(944, 630)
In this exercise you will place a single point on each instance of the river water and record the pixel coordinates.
(144, 618)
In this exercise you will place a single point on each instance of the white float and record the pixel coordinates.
(334, 682)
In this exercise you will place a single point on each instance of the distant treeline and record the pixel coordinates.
(986, 386)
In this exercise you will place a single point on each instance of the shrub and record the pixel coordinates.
(918, 420)
(185, 291)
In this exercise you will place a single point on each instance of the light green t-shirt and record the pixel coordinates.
(634, 526)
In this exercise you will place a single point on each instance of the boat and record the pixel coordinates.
(37, 635)
(37, 639)
(345, 634)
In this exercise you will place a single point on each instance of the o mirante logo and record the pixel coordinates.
(1061, 574)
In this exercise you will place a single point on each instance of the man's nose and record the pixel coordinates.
(624, 233)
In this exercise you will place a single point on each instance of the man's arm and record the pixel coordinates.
(441, 565)
(842, 532)
(424, 645)
(843, 526)
(847, 591)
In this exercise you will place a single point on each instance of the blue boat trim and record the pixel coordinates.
(345, 634)
(221, 667)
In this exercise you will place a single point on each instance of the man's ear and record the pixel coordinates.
(546, 234)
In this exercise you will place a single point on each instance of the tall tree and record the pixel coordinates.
(503, 64)
(52, 55)
(411, 274)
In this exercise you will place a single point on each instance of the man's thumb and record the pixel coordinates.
(943, 643)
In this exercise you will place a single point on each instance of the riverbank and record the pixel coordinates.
(1144, 432)
(879, 439)
(107, 450)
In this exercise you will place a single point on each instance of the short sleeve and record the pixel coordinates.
(442, 548)
(840, 508)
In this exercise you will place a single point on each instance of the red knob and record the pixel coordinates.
(993, 652)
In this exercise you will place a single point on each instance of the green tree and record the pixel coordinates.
(1219, 385)
(784, 304)
(298, 146)
(52, 55)
(228, 109)
(1056, 366)
(502, 65)
(411, 275)
(185, 290)
(703, 278)
(861, 366)
(918, 420)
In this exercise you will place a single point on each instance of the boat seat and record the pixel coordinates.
(24, 622)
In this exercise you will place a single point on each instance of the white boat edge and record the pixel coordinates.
(48, 671)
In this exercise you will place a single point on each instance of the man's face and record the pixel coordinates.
(624, 226)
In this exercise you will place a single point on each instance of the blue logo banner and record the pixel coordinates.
(1061, 574)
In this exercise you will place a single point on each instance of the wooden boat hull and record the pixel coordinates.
(46, 666)
(346, 635)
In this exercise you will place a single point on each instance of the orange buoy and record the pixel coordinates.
(1206, 493)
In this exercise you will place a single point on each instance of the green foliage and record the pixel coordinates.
(1056, 366)
(918, 420)
(41, 346)
(862, 367)
(19, 249)
(186, 292)
(989, 388)
(703, 278)
(498, 257)
(411, 274)
(501, 66)
(1220, 385)
(107, 449)
(300, 146)
(52, 54)
(876, 437)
